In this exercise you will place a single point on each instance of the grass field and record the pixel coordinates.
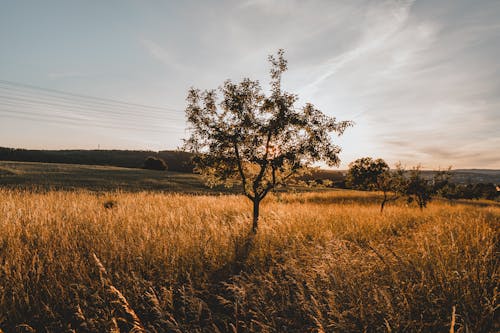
(320, 262)
(36, 176)
(44, 176)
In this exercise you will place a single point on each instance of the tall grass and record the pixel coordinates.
(320, 262)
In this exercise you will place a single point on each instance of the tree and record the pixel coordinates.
(441, 181)
(417, 188)
(375, 175)
(364, 173)
(155, 163)
(256, 140)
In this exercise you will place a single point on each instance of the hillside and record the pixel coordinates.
(60, 176)
(177, 160)
(180, 161)
(97, 178)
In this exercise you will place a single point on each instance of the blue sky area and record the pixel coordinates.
(421, 79)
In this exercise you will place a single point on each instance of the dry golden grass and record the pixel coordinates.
(321, 262)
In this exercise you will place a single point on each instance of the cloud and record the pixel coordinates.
(275, 6)
(382, 23)
(65, 75)
(420, 78)
(161, 54)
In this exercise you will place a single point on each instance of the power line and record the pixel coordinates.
(23, 101)
(80, 109)
(108, 100)
(16, 114)
(128, 110)
(81, 119)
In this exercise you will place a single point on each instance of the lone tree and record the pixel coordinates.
(258, 141)
(375, 175)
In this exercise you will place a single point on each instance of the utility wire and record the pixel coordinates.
(108, 100)
(23, 101)
(16, 114)
(49, 115)
(87, 104)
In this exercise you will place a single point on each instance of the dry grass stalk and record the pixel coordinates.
(320, 261)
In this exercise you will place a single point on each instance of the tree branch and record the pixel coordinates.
(270, 185)
(263, 166)
(240, 170)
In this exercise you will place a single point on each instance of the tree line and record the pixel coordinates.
(375, 175)
(178, 161)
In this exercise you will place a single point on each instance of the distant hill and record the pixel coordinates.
(180, 161)
(176, 160)
(459, 176)
(472, 176)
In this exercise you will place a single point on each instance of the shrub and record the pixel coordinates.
(155, 163)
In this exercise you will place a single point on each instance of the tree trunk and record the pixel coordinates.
(383, 203)
(255, 224)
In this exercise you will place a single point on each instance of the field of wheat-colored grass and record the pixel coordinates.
(320, 262)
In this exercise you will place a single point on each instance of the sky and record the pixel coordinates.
(421, 79)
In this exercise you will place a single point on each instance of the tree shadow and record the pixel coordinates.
(242, 248)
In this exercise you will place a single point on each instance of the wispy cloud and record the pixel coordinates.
(382, 24)
(66, 75)
(420, 78)
(161, 54)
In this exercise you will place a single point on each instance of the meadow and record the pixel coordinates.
(58, 176)
(116, 261)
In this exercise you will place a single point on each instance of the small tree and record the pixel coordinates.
(155, 163)
(393, 184)
(375, 175)
(418, 188)
(256, 140)
(441, 180)
(365, 173)
(422, 190)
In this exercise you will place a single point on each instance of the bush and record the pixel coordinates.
(155, 163)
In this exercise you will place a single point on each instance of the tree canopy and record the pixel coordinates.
(366, 173)
(260, 141)
(375, 175)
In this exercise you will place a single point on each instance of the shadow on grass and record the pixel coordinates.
(242, 248)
